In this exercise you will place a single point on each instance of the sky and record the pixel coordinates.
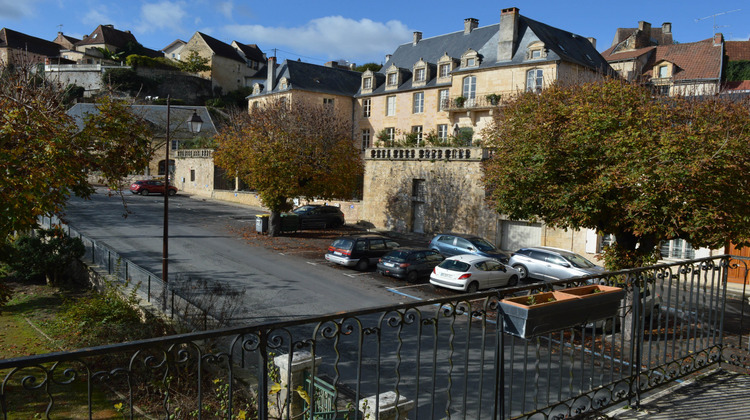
(317, 31)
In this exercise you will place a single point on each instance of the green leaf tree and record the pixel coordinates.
(285, 152)
(45, 158)
(612, 157)
(194, 63)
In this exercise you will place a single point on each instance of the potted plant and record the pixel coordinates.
(541, 313)
(493, 98)
(460, 101)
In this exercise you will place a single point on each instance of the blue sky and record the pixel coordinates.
(322, 30)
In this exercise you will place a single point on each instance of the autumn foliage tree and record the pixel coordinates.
(284, 152)
(45, 158)
(612, 157)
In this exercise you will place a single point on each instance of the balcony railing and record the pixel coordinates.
(441, 358)
(428, 153)
(195, 153)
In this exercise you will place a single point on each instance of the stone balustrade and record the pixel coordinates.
(195, 153)
(428, 153)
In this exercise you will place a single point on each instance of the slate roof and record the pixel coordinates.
(737, 50)
(315, 78)
(106, 34)
(694, 60)
(156, 116)
(14, 39)
(251, 51)
(561, 45)
(222, 49)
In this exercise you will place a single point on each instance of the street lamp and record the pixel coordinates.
(194, 124)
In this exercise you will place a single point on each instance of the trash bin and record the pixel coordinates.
(261, 223)
(289, 222)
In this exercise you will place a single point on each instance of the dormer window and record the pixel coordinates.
(445, 66)
(536, 51)
(663, 71)
(444, 70)
(419, 75)
(393, 79)
(470, 58)
(284, 83)
(367, 83)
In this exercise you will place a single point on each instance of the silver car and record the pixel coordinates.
(546, 263)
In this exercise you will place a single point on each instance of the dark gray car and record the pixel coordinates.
(450, 244)
(410, 264)
(546, 263)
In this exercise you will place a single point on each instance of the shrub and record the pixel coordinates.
(47, 254)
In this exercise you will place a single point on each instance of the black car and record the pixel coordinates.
(319, 216)
(450, 244)
(410, 264)
(360, 251)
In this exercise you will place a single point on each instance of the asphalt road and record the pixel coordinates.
(204, 244)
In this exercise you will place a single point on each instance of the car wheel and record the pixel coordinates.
(172, 192)
(513, 281)
(144, 192)
(412, 277)
(362, 264)
(524, 271)
(473, 287)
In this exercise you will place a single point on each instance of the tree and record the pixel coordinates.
(610, 156)
(285, 152)
(368, 66)
(194, 63)
(45, 158)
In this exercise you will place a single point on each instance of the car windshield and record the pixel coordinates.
(345, 244)
(397, 256)
(578, 261)
(454, 265)
(483, 245)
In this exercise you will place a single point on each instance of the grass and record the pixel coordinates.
(23, 321)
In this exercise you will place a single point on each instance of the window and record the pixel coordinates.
(443, 99)
(365, 138)
(470, 87)
(392, 79)
(175, 144)
(417, 129)
(366, 107)
(192, 175)
(419, 75)
(418, 190)
(328, 101)
(367, 83)
(534, 80)
(677, 248)
(663, 71)
(418, 103)
(536, 54)
(445, 70)
(471, 62)
(442, 131)
(390, 106)
(390, 132)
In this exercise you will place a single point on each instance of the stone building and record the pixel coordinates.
(17, 48)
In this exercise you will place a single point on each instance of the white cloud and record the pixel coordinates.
(162, 15)
(99, 16)
(15, 9)
(332, 37)
(226, 8)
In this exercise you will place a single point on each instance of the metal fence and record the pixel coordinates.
(442, 358)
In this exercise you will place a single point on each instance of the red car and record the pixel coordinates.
(146, 187)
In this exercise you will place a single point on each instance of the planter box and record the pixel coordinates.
(529, 316)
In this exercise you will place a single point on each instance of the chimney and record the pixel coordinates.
(592, 40)
(508, 34)
(271, 74)
(417, 37)
(718, 39)
(470, 24)
(666, 28)
(388, 57)
(643, 35)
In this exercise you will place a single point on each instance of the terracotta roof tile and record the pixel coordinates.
(695, 60)
(737, 50)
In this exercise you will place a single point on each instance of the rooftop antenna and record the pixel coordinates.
(715, 27)
(59, 28)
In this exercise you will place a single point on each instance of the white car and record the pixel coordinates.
(469, 273)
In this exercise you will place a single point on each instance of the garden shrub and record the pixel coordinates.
(45, 255)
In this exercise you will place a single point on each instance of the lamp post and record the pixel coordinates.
(194, 124)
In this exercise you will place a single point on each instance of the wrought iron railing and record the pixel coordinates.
(440, 358)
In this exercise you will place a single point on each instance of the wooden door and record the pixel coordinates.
(739, 274)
